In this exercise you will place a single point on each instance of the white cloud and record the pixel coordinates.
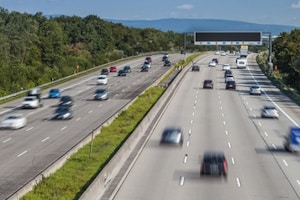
(296, 5)
(187, 7)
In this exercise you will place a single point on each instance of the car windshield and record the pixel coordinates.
(100, 91)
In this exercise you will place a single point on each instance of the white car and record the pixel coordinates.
(30, 102)
(229, 78)
(223, 53)
(146, 65)
(255, 90)
(102, 80)
(212, 64)
(225, 67)
(14, 121)
(269, 112)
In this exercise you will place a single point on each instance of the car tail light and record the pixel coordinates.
(225, 165)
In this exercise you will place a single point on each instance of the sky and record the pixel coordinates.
(280, 12)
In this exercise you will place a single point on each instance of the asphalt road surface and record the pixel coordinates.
(225, 120)
(27, 152)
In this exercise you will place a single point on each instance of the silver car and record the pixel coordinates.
(255, 90)
(269, 111)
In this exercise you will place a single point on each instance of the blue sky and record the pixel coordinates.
(283, 12)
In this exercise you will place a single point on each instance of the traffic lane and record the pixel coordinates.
(258, 102)
(235, 181)
(55, 138)
(181, 111)
(81, 92)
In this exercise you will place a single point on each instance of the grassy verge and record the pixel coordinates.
(80, 170)
(70, 181)
(276, 79)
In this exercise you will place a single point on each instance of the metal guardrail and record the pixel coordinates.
(77, 74)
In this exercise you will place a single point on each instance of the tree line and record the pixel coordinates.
(286, 57)
(36, 49)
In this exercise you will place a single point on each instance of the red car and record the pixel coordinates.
(113, 69)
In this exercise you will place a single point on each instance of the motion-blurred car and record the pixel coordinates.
(148, 59)
(167, 63)
(63, 112)
(269, 111)
(215, 60)
(54, 93)
(102, 80)
(30, 102)
(214, 163)
(196, 68)
(227, 72)
(66, 101)
(212, 64)
(229, 78)
(225, 67)
(255, 90)
(230, 85)
(208, 84)
(147, 64)
(173, 136)
(101, 94)
(144, 69)
(104, 71)
(165, 57)
(127, 69)
(13, 121)
(113, 69)
(122, 72)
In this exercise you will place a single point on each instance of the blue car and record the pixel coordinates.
(54, 93)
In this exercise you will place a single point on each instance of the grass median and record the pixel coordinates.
(70, 181)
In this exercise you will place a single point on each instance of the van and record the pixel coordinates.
(241, 63)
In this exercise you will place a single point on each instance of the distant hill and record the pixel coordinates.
(191, 25)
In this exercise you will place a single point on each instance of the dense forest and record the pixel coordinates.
(36, 49)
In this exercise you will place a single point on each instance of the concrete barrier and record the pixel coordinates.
(111, 177)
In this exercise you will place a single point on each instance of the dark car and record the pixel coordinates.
(104, 71)
(165, 57)
(230, 85)
(215, 60)
(167, 63)
(172, 135)
(122, 72)
(196, 68)
(65, 101)
(127, 69)
(214, 163)
(101, 94)
(63, 112)
(149, 59)
(208, 84)
(227, 72)
(144, 69)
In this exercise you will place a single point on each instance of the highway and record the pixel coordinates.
(219, 119)
(25, 153)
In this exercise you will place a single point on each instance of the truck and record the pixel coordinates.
(33, 102)
(243, 51)
(292, 140)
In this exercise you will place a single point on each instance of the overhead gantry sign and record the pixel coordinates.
(227, 38)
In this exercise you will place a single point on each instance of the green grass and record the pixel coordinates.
(70, 181)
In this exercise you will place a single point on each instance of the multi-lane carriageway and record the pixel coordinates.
(25, 153)
(219, 119)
